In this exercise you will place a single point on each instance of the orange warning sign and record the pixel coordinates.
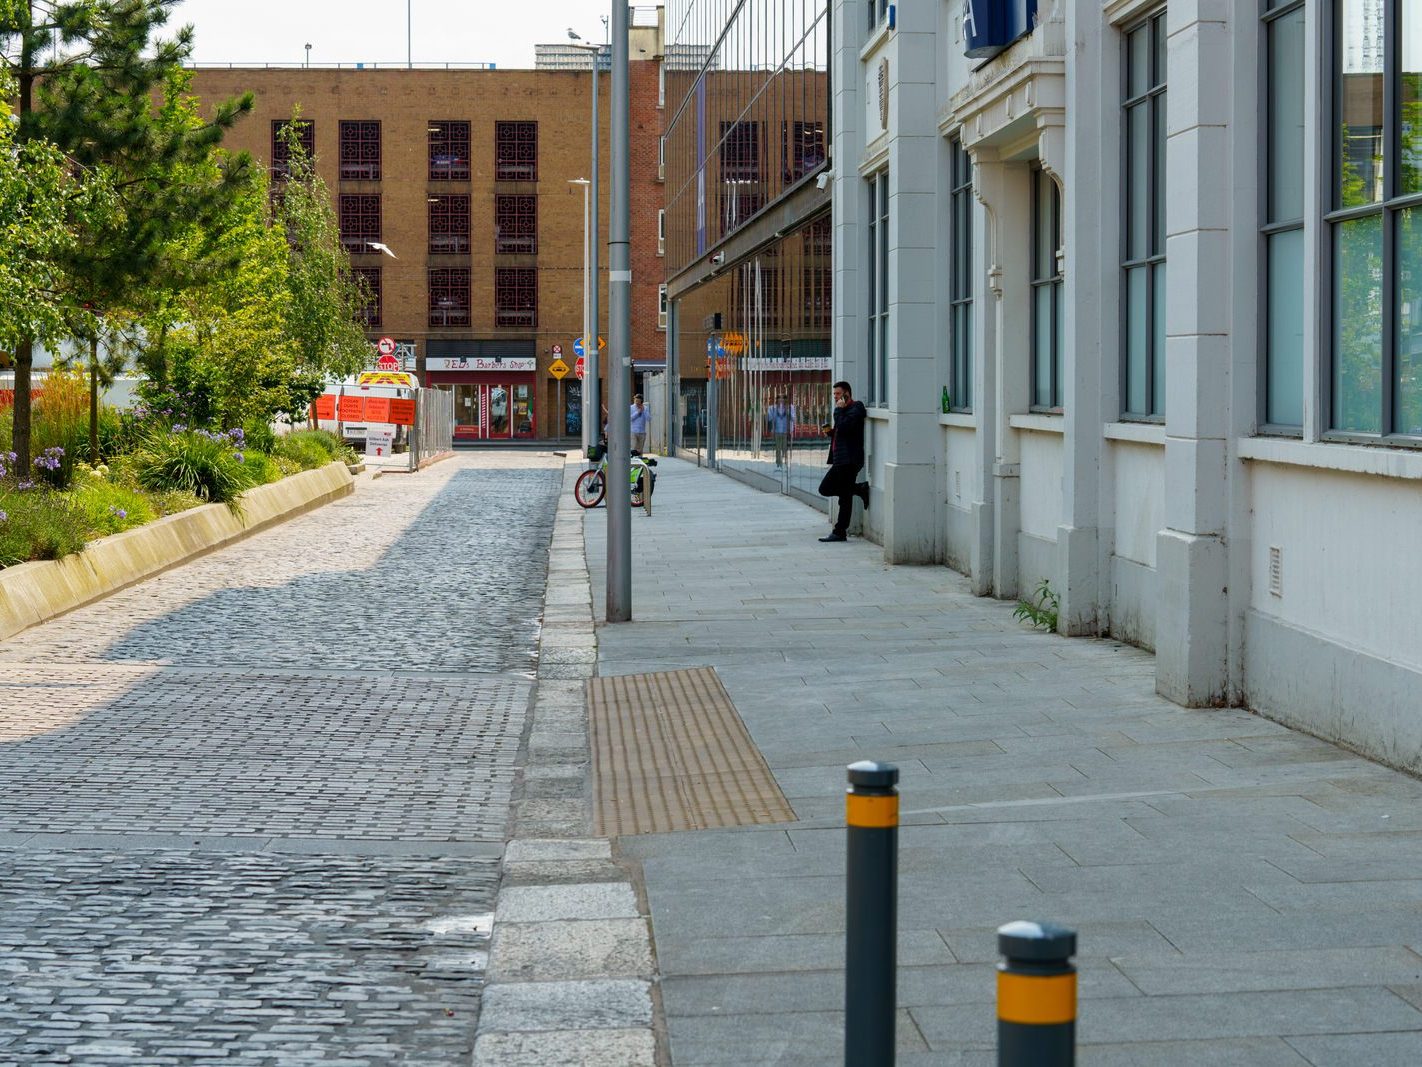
(402, 412)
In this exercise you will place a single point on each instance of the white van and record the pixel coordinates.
(391, 385)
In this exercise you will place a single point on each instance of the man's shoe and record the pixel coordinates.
(835, 537)
(863, 490)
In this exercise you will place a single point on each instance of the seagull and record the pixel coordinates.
(379, 247)
(573, 34)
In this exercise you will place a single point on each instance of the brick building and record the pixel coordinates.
(464, 175)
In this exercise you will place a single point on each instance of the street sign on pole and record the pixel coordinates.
(558, 369)
(385, 346)
(580, 349)
(580, 367)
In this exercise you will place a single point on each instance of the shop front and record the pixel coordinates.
(493, 395)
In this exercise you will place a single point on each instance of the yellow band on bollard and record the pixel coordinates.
(1036, 999)
(880, 811)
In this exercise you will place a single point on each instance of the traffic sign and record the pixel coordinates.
(578, 346)
(714, 347)
(579, 367)
(385, 346)
(733, 342)
(558, 369)
(557, 351)
(387, 362)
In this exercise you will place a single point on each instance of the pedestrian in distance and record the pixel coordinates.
(640, 415)
(846, 457)
(781, 416)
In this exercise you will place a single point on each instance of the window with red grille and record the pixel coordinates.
(515, 224)
(449, 225)
(360, 150)
(281, 151)
(449, 296)
(360, 221)
(516, 151)
(369, 308)
(740, 152)
(515, 296)
(449, 151)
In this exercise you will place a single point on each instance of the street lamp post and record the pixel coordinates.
(619, 321)
(589, 287)
(592, 399)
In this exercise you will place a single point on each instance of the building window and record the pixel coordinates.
(878, 9)
(449, 151)
(661, 231)
(516, 224)
(960, 294)
(803, 146)
(818, 237)
(1047, 331)
(662, 159)
(281, 150)
(740, 152)
(449, 225)
(449, 296)
(878, 289)
(1376, 218)
(1143, 262)
(815, 304)
(516, 151)
(370, 307)
(1283, 231)
(360, 221)
(360, 151)
(661, 307)
(515, 296)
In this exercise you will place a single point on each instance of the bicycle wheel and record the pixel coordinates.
(588, 490)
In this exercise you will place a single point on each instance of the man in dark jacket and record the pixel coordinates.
(846, 457)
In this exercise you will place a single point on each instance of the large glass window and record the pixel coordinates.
(515, 296)
(1143, 262)
(960, 386)
(1046, 293)
(1376, 376)
(370, 306)
(878, 289)
(449, 296)
(516, 151)
(360, 150)
(449, 151)
(449, 225)
(515, 224)
(281, 147)
(359, 217)
(1283, 230)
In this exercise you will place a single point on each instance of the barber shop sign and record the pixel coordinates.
(989, 26)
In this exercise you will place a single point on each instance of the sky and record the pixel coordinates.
(373, 31)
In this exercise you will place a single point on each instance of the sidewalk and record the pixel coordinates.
(1243, 893)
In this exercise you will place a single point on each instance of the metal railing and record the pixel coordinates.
(433, 432)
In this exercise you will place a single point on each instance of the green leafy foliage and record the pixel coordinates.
(35, 524)
(193, 461)
(105, 508)
(1040, 609)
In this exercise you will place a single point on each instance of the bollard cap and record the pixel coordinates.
(873, 774)
(1036, 942)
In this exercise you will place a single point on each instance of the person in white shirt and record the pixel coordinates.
(640, 417)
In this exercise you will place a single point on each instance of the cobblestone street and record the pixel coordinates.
(251, 810)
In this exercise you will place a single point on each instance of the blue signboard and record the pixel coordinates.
(989, 26)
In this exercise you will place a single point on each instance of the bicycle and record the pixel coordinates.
(591, 486)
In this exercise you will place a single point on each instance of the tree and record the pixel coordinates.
(85, 73)
(326, 298)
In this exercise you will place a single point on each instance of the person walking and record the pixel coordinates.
(781, 417)
(638, 429)
(846, 457)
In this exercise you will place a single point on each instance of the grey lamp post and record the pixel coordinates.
(619, 320)
(592, 399)
(589, 288)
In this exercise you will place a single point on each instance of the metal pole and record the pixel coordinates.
(871, 902)
(619, 322)
(592, 390)
(713, 407)
(1036, 995)
(409, 34)
(672, 402)
(589, 295)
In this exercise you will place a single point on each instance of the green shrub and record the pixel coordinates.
(106, 508)
(196, 462)
(286, 465)
(330, 442)
(38, 524)
(303, 450)
(259, 435)
(60, 421)
(261, 468)
(172, 501)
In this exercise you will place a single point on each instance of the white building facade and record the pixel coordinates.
(1134, 296)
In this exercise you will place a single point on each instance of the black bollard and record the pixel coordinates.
(871, 814)
(1036, 996)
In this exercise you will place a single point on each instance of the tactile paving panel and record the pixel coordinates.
(670, 753)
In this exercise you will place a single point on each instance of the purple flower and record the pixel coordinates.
(117, 511)
(26, 484)
(240, 459)
(4, 517)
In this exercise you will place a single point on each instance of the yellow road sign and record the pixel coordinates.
(733, 342)
(558, 369)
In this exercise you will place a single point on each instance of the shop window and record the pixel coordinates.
(1047, 315)
(516, 151)
(360, 221)
(370, 305)
(449, 151)
(1143, 265)
(1375, 220)
(449, 296)
(960, 281)
(449, 226)
(516, 224)
(360, 151)
(1283, 231)
(281, 149)
(515, 296)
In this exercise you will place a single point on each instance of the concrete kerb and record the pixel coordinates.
(572, 975)
(32, 593)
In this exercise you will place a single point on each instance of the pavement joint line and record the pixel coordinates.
(604, 1012)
